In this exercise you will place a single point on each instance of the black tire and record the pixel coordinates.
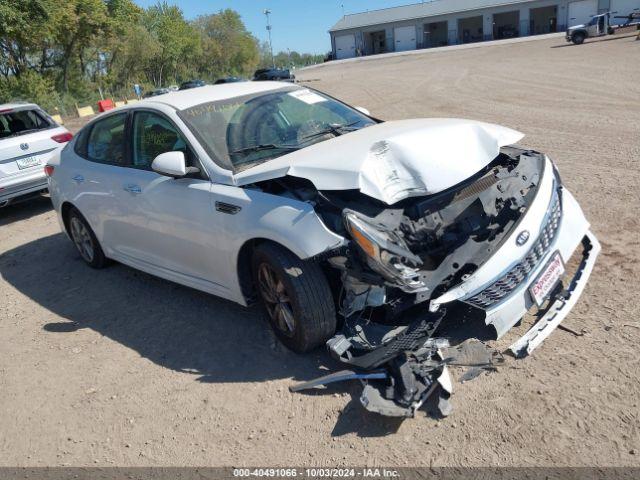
(302, 290)
(85, 240)
(578, 38)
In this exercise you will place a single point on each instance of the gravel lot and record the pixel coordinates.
(119, 368)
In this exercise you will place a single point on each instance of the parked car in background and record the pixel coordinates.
(191, 84)
(29, 138)
(156, 92)
(229, 80)
(173, 88)
(387, 241)
(273, 74)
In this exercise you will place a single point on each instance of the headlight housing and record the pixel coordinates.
(385, 252)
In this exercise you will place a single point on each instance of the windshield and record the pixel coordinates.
(19, 122)
(246, 131)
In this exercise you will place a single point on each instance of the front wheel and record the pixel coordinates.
(578, 38)
(296, 297)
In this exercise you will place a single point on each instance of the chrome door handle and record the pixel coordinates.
(133, 189)
(78, 179)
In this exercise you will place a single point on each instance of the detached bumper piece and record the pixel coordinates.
(400, 374)
(564, 301)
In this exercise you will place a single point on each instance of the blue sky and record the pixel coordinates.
(298, 25)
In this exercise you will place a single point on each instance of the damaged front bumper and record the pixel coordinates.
(560, 307)
(410, 362)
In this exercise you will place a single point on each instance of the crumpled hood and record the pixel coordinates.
(393, 160)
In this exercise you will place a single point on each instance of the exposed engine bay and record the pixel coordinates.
(401, 256)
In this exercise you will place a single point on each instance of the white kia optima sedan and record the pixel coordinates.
(28, 139)
(384, 240)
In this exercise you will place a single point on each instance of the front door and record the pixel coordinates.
(170, 226)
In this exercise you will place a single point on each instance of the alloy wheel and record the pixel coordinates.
(82, 239)
(276, 299)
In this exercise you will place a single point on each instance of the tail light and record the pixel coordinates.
(48, 170)
(62, 137)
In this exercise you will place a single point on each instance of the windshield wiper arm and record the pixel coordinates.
(335, 129)
(264, 146)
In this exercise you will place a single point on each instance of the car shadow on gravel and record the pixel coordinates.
(175, 327)
(24, 210)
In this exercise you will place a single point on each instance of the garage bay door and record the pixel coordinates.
(405, 38)
(345, 46)
(582, 11)
(623, 7)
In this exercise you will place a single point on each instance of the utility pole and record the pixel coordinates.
(267, 12)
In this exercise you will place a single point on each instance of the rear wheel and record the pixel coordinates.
(85, 240)
(296, 297)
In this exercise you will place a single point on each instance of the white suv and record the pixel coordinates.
(28, 139)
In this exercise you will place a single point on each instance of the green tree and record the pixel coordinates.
(178, 43)
(24, 28)
(79, 25)
(59, 52)
(227, 47)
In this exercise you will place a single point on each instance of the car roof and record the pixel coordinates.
(11, 106)
(211, 93)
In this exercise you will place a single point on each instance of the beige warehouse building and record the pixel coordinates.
(451, 22)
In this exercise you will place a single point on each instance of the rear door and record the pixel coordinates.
(86, 175)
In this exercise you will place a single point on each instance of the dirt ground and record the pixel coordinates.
(119, 368)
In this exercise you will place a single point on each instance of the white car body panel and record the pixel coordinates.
(393, 160)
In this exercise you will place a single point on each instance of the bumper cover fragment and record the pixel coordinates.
(564, 302)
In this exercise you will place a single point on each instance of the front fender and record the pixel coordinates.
(291, 223)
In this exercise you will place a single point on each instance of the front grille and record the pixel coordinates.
(518, 273)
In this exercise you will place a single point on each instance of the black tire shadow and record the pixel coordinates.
(23, 210)
(173, 326)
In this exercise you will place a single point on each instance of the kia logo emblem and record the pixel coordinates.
(522, 238)
(24, 146)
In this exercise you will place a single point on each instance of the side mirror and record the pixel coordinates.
(364, 110)
(172, 164)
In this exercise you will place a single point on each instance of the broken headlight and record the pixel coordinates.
(385, 252)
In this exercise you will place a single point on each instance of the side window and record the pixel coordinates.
(152, 135)
(105, 143)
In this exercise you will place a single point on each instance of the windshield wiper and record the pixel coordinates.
(264, 146)
(334, 129)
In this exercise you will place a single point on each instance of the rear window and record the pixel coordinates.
(20, 122)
